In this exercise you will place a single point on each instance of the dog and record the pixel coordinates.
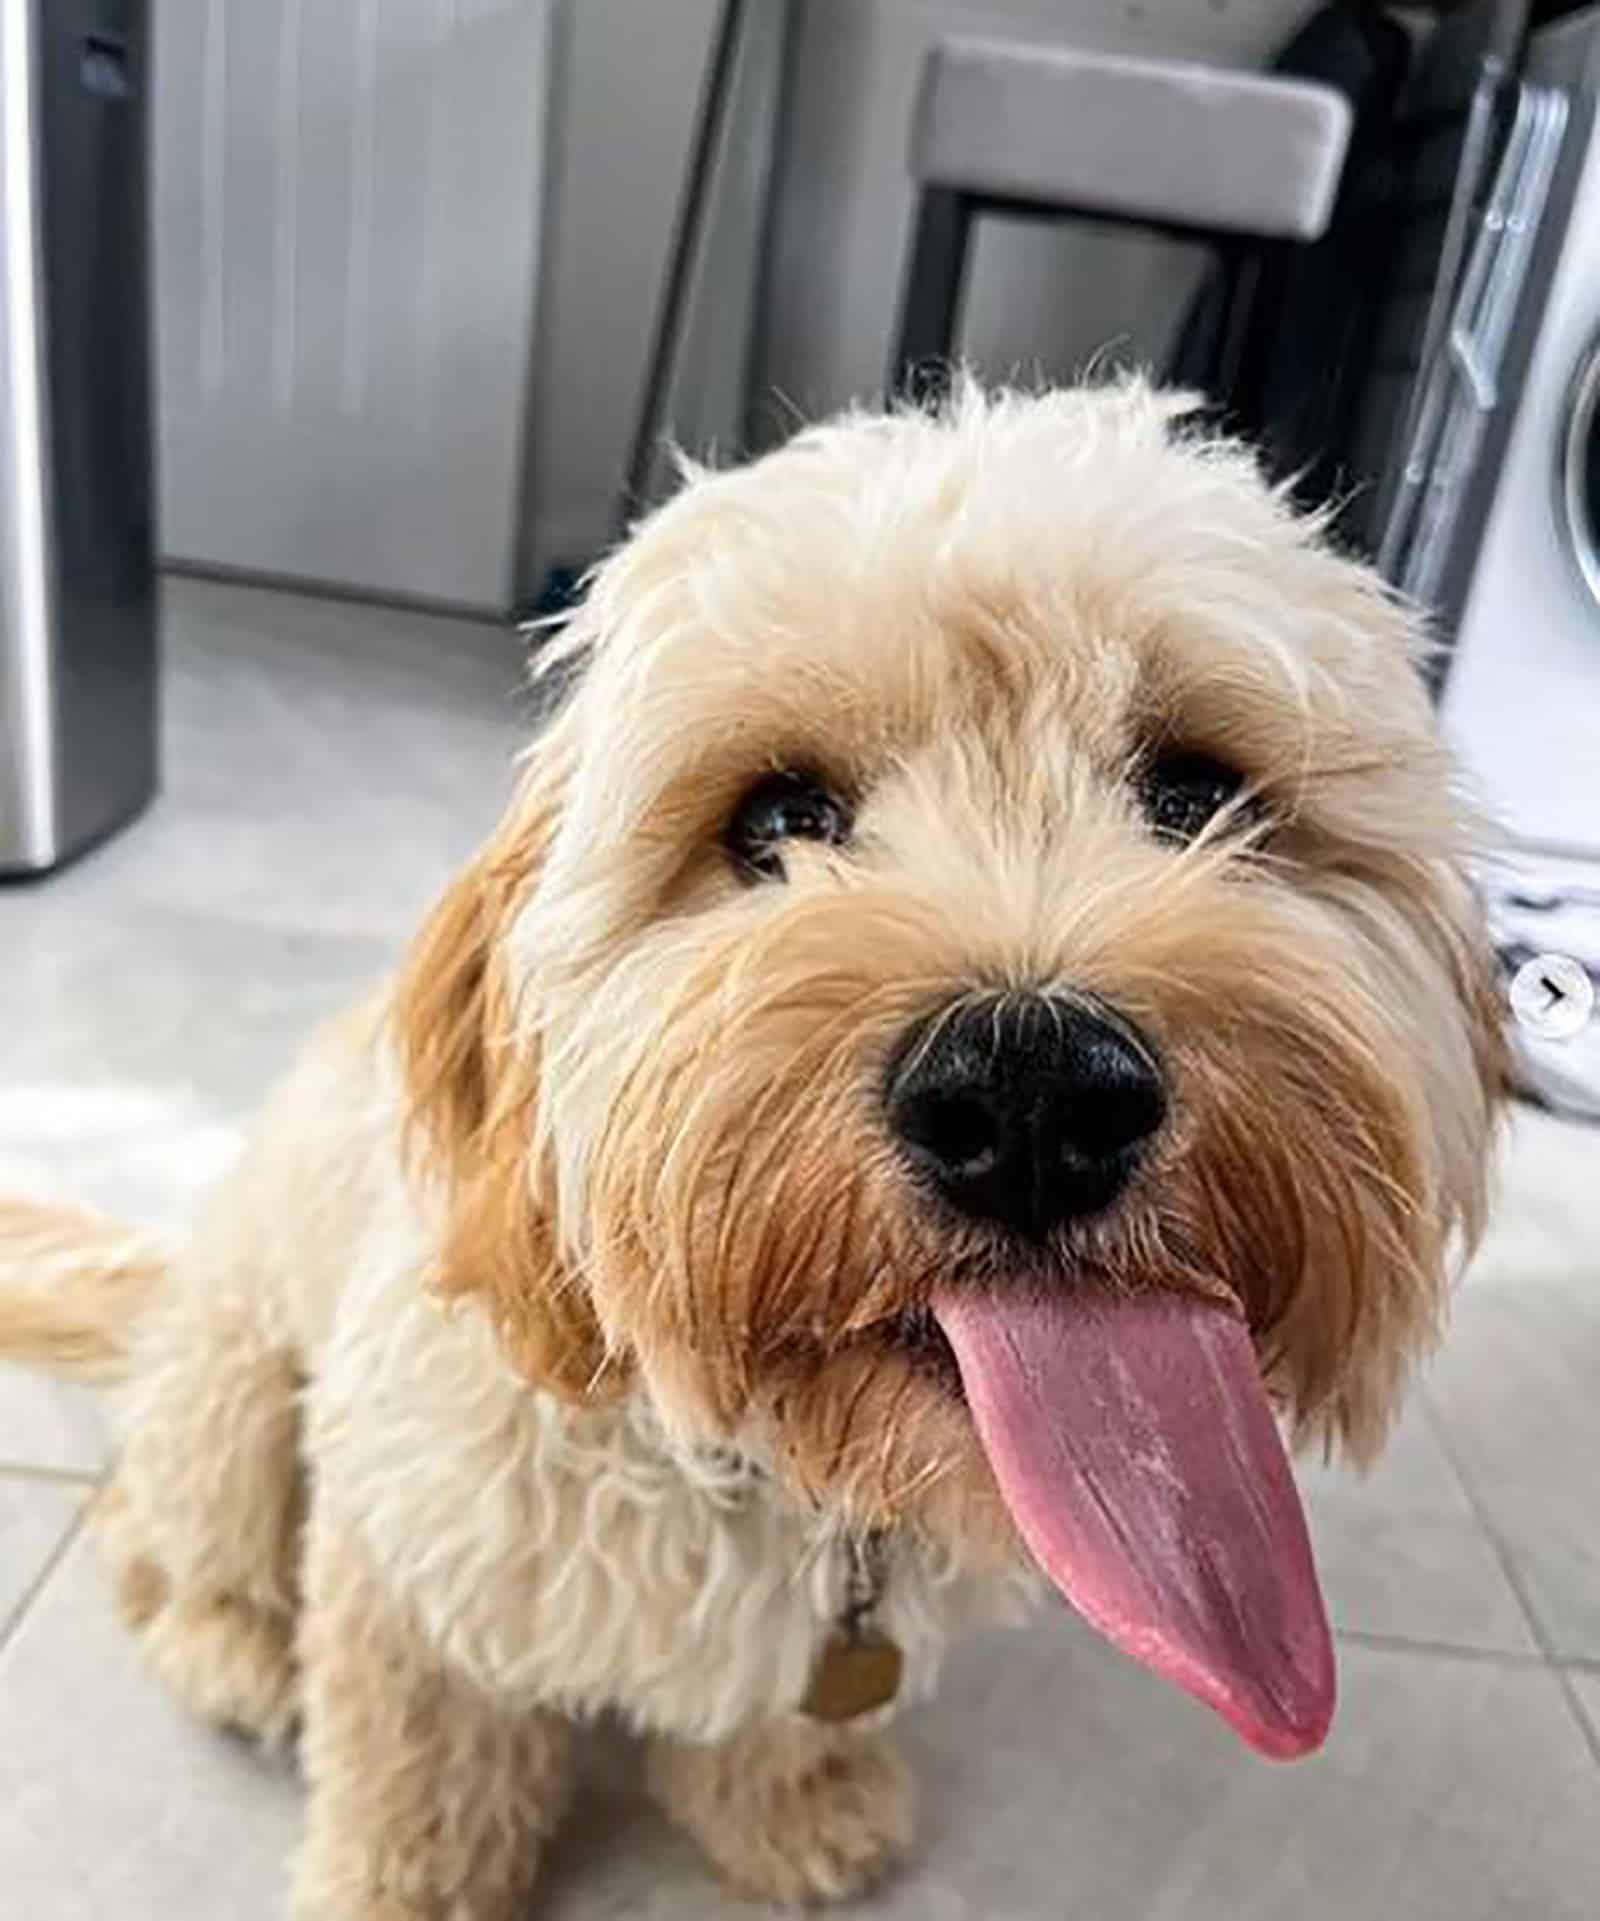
(971, 1034)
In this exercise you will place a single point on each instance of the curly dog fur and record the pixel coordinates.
(533, 1360)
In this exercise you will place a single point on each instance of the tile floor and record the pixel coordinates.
(326, 766)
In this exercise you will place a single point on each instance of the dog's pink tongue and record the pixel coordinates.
(1134, 1446)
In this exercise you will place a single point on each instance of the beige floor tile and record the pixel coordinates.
(1412, 1473)
(34, 1517)
(53, 1424)
(1547, 1203)
(1553, 1544)
(1401, 1553)
(1514, 1394)
(1451, 1789)
(111, 1802)
(1513, 1388)
(1061, 1784)
(1427, 1578)
(1058, 1782)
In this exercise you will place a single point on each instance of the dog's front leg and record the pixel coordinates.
(795, 1811)
(429, 1800)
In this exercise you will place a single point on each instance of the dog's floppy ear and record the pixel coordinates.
(471, 1080)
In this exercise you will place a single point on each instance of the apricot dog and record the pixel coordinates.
(971, 1027)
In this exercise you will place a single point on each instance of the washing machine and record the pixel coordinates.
(1522, 698)
(1521, 701)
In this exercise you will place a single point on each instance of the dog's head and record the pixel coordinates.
(980, 950)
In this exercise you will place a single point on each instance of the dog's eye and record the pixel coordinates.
(783, 807)
(1182, 793)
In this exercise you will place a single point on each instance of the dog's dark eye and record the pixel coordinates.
(1182, 793)
(783, 807)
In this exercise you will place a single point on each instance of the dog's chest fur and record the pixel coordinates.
(574, 1556)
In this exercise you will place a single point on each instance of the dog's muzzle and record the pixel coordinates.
(1024, 1110)
(1128, 1430)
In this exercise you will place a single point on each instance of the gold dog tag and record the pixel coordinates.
(854, 1674)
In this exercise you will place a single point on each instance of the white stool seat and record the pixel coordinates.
(1168, 142)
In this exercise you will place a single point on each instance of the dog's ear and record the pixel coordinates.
(1472, 1082)
(1454, 1066)
(471, 1074)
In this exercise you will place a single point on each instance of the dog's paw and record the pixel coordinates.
(831, 1832)
(229, 1662)
(796, 1817)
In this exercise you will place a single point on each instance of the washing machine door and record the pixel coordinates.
(1580, 470)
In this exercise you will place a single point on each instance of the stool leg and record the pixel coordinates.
(1250, 334)
(1242, 269)
(920, 369)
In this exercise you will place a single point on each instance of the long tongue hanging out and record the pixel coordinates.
(1135, 1448)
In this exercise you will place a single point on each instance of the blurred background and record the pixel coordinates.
(338, 337)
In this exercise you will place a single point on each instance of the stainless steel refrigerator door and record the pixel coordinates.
(77, 616)
(27, 677)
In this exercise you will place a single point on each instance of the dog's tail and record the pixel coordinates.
(72, 1287)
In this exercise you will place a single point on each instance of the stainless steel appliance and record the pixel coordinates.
(77, 606)
(1522, 698)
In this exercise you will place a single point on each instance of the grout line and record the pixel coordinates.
(1486, 1526)
(1413, 1644)
(1590, 1733)
(85, 1477)
(1513, 1577)
(1406, 1644)
(1588, 1722)
(13, 1621)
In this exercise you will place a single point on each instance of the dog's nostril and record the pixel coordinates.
(1114, 1102)
(957, 1128)
(1023, 1110)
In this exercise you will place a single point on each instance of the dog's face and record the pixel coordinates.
(982, 860)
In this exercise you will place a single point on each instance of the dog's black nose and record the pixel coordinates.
(1027, 1110)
